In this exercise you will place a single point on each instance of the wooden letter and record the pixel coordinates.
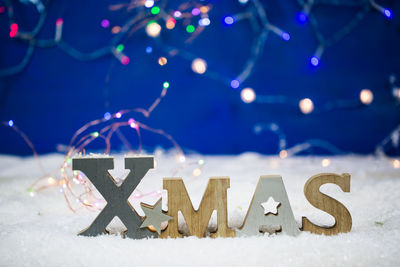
(215, 198)
(328, 204)
(269, 186)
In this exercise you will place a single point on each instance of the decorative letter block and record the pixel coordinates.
(328, 204)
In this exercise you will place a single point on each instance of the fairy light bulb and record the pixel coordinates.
(149, 3)
(162, 61)
(283, 154)
(153, 29)
(306, 106)
(366, 96)
(396, 164)
(11, 123)
(248, 95)
(197, 172)
(326, 162)
(199, 66)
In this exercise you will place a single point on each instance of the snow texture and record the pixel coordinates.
(42, 231)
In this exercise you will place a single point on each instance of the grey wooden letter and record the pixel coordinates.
(96, 169)
(269, 186)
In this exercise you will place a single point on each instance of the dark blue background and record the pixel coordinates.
(56, 94)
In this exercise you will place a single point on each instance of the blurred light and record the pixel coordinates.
(170, 23)
(366, 96)
(155, 10)
(285, 36)
(149, 49)
(248, 95)
(59, 22)
(201, 162)
(125, 60)
(204, 22)
(229, 20)
(197, 172)
(314, 61)
(204, 9)
(199, 66)
(95, 135)
(182, 158)
(166, 85)
(325, 162)
(283, 154)
(243, 1)
(153, 29)
(2, 8)
(195, 11)
(13, 30)
(235, 84)
(149, 3)
(11, 123)
(132, 123)
(120, 48)
(387, 13)
(107, 116)
(302, 17)
(190, 28)
(177, 14)
(105, 23)
(306, 106)
(162, 61)
(51, 180)
(396, 92)
(118, 115)
(116, 29)
(396, 163)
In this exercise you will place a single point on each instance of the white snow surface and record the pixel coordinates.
(42, 231)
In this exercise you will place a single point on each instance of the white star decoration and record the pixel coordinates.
(271, 206)
(154, 216)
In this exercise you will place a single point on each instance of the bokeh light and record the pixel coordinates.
(306, 106)
(199, 66)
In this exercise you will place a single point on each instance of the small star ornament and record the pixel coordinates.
(271, 206)
(154, 216)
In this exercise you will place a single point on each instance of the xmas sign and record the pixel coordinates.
(269, 209)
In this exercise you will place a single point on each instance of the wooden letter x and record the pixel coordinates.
(96, 169)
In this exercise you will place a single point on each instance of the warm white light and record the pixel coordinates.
(306, 105)
(366, 96)
(248, 95)
(182, 158)
(199, 65)
(149, 3)
(283, 154)
(197, 172)
(325, 162)
(51, 180)
(153, 29)
(396, 163)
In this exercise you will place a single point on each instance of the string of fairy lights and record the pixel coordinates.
(154, 17)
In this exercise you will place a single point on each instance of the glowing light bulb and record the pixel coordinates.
(155, 10)
(162, 61)
(190, 28)
(133, 124)
(248, 95)
(105, 23)
(59, 22)
(153, 29)
(302, 17)
(201, 162)
(204, 22)
(95, 135)
(166, 85)
(314, 61)
(196, 11)
(118, 115)
(283, 154)
(107, 116)
(149, 3)
(199, 66)
(229, 20)
(11, 123)
(387, 13)
(177, 14)
(325, 162)
(243, 1)
(366, 96)
(235, 84)
(125, 60)
(51, 181)
(116, 29)
(13, 30)
(306, 106)
(120, 48)
(149, 49)
(204, 9)
(182, 158)
(170, 23)
(396, 163)
(285, 36)
(197, 172)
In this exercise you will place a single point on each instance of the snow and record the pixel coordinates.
(41, 230)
